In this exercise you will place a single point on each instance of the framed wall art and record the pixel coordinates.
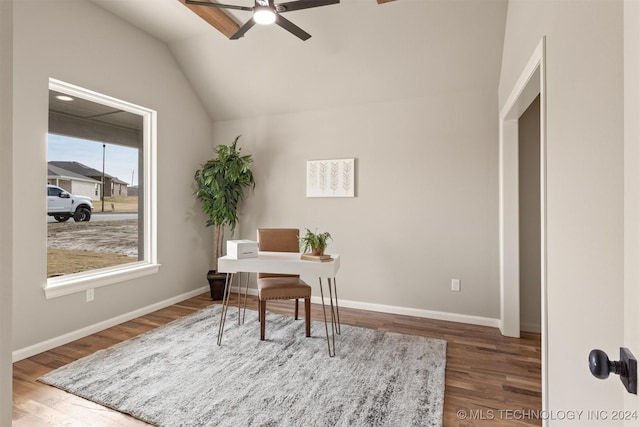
(331, 178)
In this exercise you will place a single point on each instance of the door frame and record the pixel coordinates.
(530, 84)
(631, 187)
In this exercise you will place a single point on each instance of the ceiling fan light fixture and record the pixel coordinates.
(264, 12)
(264, 16)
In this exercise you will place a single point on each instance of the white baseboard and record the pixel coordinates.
(426, 314)
(32, 350)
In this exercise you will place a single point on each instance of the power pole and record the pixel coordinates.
(104, 146)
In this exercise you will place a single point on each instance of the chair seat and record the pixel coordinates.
(277, 286)
(282, 288)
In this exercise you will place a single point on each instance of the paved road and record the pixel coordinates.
(98, 216)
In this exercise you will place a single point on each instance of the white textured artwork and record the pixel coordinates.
(331, 178)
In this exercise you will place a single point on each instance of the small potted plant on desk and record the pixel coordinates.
(220, 185)
(317, 243)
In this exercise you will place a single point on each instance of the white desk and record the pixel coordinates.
(284, 263)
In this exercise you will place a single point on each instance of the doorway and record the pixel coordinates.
(529, 89)
(529, 217)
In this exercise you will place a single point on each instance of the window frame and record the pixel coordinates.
(79, 282)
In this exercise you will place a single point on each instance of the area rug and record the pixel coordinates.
(176, 375)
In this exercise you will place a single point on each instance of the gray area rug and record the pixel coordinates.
(176, 375)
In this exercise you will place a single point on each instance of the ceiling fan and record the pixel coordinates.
(267, 12)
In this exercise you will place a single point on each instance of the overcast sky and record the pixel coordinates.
(120, 162)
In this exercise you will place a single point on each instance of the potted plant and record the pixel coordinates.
(316, 242)
(220, 185)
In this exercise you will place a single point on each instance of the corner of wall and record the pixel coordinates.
(6, 140)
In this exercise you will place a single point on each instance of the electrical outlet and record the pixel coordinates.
(90, 295)
(455, 285)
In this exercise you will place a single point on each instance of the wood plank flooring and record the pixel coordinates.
(490, 380)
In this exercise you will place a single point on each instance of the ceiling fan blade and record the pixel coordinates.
(216, 17)
(303, 4)
(246, 27)
(292, 28)
(218, 5)
(384, 1)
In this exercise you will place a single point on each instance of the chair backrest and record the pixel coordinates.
(278, 240)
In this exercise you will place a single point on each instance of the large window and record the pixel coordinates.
(100, 190)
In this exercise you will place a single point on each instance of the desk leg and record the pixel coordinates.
(335, 312)
(225, 305)
(246, 290)
(332, 348)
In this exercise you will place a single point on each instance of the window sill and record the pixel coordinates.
(79, 282)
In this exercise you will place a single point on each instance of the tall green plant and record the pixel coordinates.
(220, 186)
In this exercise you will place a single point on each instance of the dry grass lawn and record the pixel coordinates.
(62, 261)
(117, 204)
(73, 247)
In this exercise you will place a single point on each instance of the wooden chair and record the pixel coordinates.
(281, 286)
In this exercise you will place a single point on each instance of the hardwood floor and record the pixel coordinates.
(490, 380)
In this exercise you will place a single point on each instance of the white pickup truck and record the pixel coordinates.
(62, 205)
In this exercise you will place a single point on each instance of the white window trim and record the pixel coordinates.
(78, 282)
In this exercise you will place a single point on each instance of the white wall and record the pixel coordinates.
(6, 100)
(426, 205)
(424, 135)
(78, 42)
(584, 186)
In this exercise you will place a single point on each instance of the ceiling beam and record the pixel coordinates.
(217, 18)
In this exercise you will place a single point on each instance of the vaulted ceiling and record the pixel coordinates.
(360, 52)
